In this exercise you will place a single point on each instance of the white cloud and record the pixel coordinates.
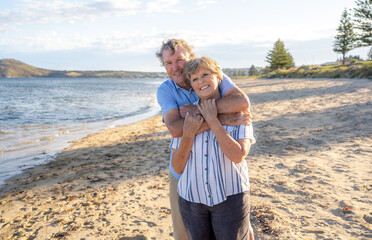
(161, 6)
(142, 41)
(119, 42)
(38, 11)
(204, 3)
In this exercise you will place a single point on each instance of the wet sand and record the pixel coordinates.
(310, 171)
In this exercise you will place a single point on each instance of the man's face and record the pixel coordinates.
(174, 64)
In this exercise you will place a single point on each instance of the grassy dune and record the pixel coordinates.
(356, 69)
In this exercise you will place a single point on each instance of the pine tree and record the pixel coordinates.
(279, 57)
(363, 22)
(345, 39)
(253, 71)
(369, 55)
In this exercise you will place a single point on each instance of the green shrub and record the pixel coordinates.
(358, 69)
(336, 75)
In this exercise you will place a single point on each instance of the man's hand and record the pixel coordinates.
(246, 117)
(192, 124)
(234, 119)
(190, 108)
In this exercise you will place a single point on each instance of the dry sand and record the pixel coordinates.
(310, 171)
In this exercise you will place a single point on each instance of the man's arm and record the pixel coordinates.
(233, 109)
(234, 101)
(174, 123)
(234, 119)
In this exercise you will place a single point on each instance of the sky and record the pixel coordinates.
(125, 34)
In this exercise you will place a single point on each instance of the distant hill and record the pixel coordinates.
(11, 68)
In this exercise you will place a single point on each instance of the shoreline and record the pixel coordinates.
(125, 133)
(53, 143)
(309, 172)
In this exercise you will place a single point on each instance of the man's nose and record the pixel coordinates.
(175, 66)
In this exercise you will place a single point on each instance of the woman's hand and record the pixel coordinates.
(208, 109)
(192, 124)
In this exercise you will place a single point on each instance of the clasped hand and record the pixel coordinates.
(208, 109)
(192, 124)
(188, 108)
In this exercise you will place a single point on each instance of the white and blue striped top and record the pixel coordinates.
(209, 176)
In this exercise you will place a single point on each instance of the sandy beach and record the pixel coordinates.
(310, 172)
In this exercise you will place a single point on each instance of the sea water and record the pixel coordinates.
(39, 116)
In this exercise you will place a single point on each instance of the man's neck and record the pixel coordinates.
(184, 86)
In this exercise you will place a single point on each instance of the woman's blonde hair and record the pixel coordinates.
(205, 62)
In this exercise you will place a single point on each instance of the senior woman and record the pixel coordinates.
(214, 185)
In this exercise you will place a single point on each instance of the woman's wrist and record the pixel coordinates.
(213, 122)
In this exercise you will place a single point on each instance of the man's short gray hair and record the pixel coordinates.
(172, 45)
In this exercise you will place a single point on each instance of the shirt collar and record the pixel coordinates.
(181, 88)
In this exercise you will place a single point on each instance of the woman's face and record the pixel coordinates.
(205, 84)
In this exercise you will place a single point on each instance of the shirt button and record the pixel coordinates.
(209, 195)
(206, 169)
(206, 155)
(206, 182)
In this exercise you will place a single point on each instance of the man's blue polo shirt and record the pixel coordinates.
(170, 96)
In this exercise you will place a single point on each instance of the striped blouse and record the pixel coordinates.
(209, 176)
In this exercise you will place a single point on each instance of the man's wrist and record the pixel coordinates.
(224, 118)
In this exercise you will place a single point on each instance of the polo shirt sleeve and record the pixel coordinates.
(165, 98)
(175, 144)
(225, 85)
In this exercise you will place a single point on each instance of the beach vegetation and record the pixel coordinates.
(352, 69)
(279, 57)
(345, 38)
(236, 72)
(253, 71)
